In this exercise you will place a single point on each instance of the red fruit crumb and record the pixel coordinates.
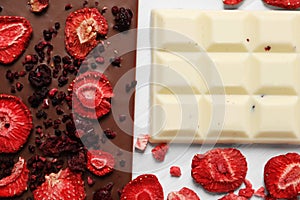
(219, 170)
(248, 191)
(141, 142)
(267, 48)
(145, 186)
(175, 171)
(183, 194)
(159, 152)
(260, 192)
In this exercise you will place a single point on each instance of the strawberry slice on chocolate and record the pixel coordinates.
(286, 4)
(91, 95)
(64, 185)
(219, 170)
(37, 6)
(99, 162)
(16, 183)
(282, 176)
(183, 194)
(83, 27)
(145, 186)
(15, 123)
(15, 33)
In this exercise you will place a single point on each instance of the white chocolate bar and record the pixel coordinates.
(225, 76)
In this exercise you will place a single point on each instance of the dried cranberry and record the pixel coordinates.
(116, 62)
(40, 77)
(19, 86)
(114, 10)
(1, 8)
(52, 92)
(31, 148)
(22, 73)
(45, 104)
(29, 67)
(9, 76)
(47, 35)
(57, 60)
(13, 89)
(41, 114)
(68, 6)
(48, 123)
(66, 60)
(62, 80)
(110, 134)
(57, 132)
(59, 110)
(16, 75)
(57, 25)
(31, 59)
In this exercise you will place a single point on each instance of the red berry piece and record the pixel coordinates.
(16, 183)
(286, 4)
(91, 95)
(64, 185)
(15, 35)
(232, 196)
(219, 170)
(99, 162)
(183, 194)
(37, 6)
(15, 123)
(232, 2)
(82, 29)
(159, 152)
(142, 142)
(260, 192)
(248, 191)
(145, 186)
(282, 176)
(175, 171)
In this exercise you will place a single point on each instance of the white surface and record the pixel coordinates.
(181, 155)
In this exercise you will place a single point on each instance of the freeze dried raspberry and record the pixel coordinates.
(232, 2)
(159, 152)
(63, 185)
(15, 35)
(82, 29)
(286, 4)
(99, 162)
(232, 196)
(38, 6)
(183, 194)
(91, 95)
(248, 191)
(282, 176)
(175, 171)
(15, 123)
(145, 186)
(141, 142)
(16, 183)
(219, 170)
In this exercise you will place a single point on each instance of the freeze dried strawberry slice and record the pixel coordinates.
(16, 183)
(219, 170)
(63, 185)
(286, 4)
(144, 187)
(232, 2)
(99, 162)
(15, 123)
(38, 6)
(282, 176)
(159, 152)
(91, 95)
(82, 29)
(183, 194)
(15, 33)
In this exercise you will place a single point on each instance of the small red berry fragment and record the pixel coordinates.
(248, 191)
(175, 171)
(141, 142)
(15, 35)
(286, 4)
(232, 196)
(16, 183)
(82, 29)
(145, 186)
(91, 95)
(267, 48)
(63, 185)
(38, 6)
(219, 170)
(99, 162)
(282, 176)
(15, 123)
(183, 194)
(260, 192)
(232, 2)
(159, 152)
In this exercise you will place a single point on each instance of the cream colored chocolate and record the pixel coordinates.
(225, 76)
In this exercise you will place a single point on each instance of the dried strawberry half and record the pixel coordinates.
(83, 27)
(38, 6)
(219, 170)
(15, 34)
(15, 123)
(16, 183)
(100, 162)
(145, 186)
(286, 4)
(63, 185)
(183, 194)
(282, 176)
(91, 95)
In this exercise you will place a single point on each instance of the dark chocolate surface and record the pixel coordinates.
(122, 102)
